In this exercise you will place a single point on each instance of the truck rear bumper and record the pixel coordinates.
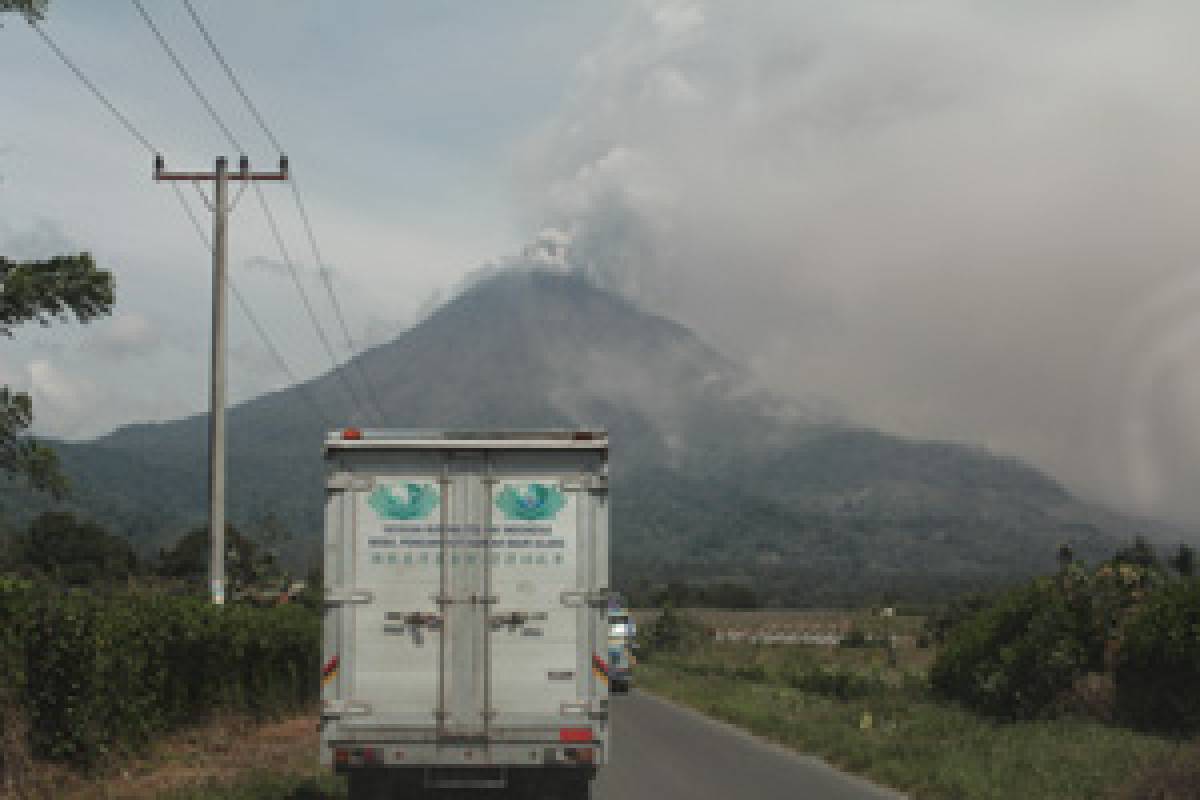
(346, 756)
(393, 782)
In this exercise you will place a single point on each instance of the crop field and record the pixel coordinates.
(786, 626)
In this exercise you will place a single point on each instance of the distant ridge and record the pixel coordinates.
(712, 476)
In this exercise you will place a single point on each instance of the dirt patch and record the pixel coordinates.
(224, 750)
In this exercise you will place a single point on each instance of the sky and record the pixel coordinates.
(949, 219)
(400, 121)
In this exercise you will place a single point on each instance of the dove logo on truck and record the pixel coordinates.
(537, 501)
(421, 500)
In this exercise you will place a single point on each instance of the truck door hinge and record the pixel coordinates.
(344, 708)
(346, 481)
(514, 619)
(339, 597)
(596, 599)
(415, 618)
(517, 619)
(592, 709)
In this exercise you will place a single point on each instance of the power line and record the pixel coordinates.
(134, 132)
(250, 315)
(322, 271)
(212, 112)
(145, 142)
(312, 314)
(232, 77)
(183, 71)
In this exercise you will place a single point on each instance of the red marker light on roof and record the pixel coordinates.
(351, 434)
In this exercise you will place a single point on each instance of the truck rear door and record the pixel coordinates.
(479, 590)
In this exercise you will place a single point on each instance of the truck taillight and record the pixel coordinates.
(574, 734)
(351, 434)
(584, 755)
(341, 756)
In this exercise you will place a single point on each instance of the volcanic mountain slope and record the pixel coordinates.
(711, 475)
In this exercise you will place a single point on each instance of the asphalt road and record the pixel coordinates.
(664, 752)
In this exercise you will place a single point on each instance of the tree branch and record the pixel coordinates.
(53, 289)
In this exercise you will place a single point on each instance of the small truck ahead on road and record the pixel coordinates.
(622, 636)
(465, 626)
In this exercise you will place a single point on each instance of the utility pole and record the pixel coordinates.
(220, 208)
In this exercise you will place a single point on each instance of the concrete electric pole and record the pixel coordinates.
(220, 208)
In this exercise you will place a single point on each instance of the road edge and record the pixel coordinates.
(810, 760)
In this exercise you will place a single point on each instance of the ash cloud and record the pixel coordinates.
(971, 221)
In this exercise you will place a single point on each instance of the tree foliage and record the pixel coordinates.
(1012, 659)
(189, 558)
(73, 552)
(43, 291)
(1031, 651)
(20, 455)
(31, 9)
(1158, 668)
(53, 289)
(1184, 561)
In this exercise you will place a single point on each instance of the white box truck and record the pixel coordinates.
(465, 626)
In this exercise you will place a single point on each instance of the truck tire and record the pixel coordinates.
(385, 784)
(552, 784)
(363, 785)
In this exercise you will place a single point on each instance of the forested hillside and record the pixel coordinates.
(712, 476)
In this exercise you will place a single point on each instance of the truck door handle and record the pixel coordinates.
(514, 619)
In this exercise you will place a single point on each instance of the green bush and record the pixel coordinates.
(1158, 668)
(840, 684)
(99, 675)
(1014, 658)
(673, 632)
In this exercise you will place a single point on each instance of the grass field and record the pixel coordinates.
(872, 714)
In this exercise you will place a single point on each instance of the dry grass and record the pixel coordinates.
(223, 751)
(15, 763)
(1174, 777)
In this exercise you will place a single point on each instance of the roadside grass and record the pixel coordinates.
(880, 721)
(275, 759)
(267, 786)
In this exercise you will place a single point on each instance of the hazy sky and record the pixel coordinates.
(971, 220)
(400, 120)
